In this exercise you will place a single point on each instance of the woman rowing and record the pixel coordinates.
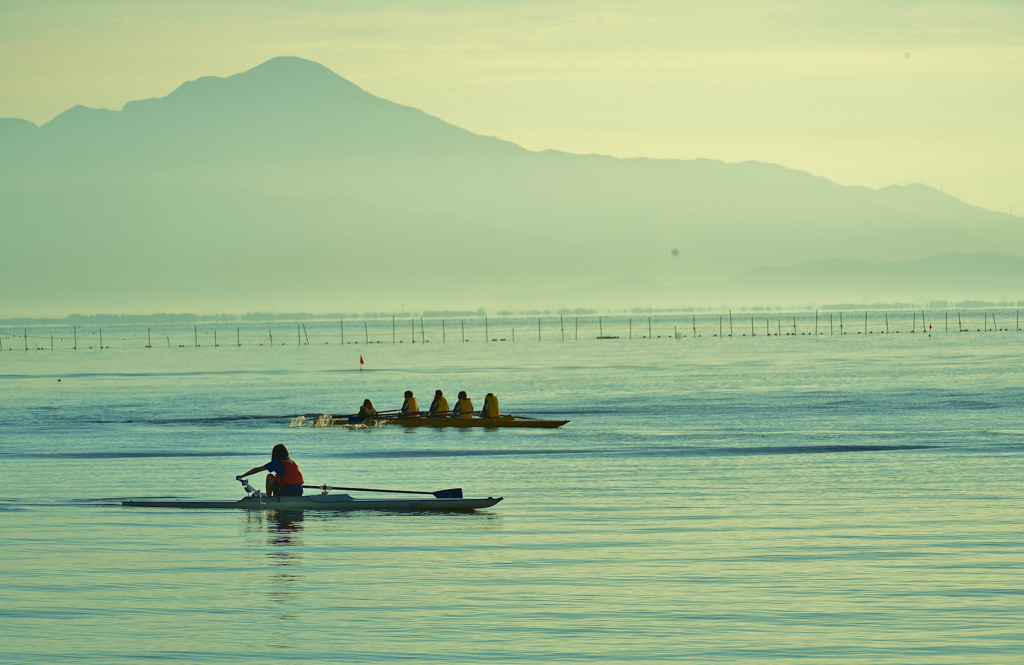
(490, 409)
(366, 412)
(439, 407)
(410, 407)
(285, 478)
(464, 407)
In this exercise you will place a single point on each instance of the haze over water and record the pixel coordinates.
(852, 499)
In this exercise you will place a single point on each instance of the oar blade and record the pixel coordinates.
(454, 493)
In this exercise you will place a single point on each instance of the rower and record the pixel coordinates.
(410, 407)
(490, 409)
(464, 407)
(366, 411)
(285, 478)
(439, 407)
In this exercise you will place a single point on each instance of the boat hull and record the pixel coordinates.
(327, 502)
(425, 421)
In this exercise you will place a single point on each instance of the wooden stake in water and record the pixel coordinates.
(238, 336)
(600, 327)
(423, 335)
(840, 323)
(412, 324)
(304, 334)
(830, 324)
(752, 327)
(693, 320)
(513, 333)
(463, 330)
(631, 328)
(195, 331)
(959, 324)
(651, 335)
(26, 339)
(75, 329)
(561, 323)
(886, 323)
(215, 345)
(913, 328)
(794, 325)
(149, 339)
(101, 338)
(730, 323)
(444, 338)
(366, 334)
(168, 341)
(271, 333)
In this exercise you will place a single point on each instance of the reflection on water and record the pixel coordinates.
(282, 532)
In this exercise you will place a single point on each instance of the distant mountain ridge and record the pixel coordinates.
(288, 187)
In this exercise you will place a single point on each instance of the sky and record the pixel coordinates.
(863, 93)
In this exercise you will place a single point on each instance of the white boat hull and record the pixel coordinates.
(326, 502)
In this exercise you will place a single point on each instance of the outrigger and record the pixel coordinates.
(450, 500)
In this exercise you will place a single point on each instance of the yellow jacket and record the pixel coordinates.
(490, 409)
(439, 407)
(464, 408)
(410, 406)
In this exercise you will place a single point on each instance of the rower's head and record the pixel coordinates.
(408, 394)
(462, 394)
(438, 393)
(489, 395)
(280, 451)
(367, 403)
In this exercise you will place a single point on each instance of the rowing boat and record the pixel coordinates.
(328, 502)
(444, 501)
(427, 421)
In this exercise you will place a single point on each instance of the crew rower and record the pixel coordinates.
(439, 407)
(366, 411)
(410, 407)
(490, 409)
(284, 478)
(464, 407)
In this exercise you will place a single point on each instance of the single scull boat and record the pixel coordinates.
(256, 500)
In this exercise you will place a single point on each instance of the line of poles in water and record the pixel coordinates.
(505, 331)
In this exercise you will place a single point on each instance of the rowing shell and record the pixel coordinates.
(426, 421)
(328, 502)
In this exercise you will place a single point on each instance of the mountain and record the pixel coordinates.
(287, 187)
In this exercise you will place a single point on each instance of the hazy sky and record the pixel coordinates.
(864, 92)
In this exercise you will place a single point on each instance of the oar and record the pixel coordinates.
(454, 493)
(379, 413)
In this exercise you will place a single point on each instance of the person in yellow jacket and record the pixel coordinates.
(490, 409)
(439, 407)
(464, 407)
(410, 407)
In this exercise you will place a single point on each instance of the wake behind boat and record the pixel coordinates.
(442, 501)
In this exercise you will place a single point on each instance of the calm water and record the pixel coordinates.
(853, 499)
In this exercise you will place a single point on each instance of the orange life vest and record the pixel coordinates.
(465, 408)
(292, 475)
